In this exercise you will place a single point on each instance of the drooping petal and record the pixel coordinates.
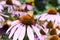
(1, 8)
(15, 22)
(40, 27)
(16, 34)
(51, 18)
(2, 18)
(13, 30)
(43, 17)
(29, 7)
(57, 19)
(23, 6)
(10, 9)
(2, 3)
(43, 37)
(12, 25)
(22, 33)
(6, 16)
(37, 31)
(43, 28)
(20, 13)
(17, 13)
(30, 33)
(16, 2)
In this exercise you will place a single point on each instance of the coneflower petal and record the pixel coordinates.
(57, 18)
(50, 18)
(13, 30)
(16, 2)
(6, 16)
(43, 17)
(29, 7)
(2, 3)
(37, 31)
(30, 33)
(12, 25)
(40, 27)
(22, 33)
(2, 18)
(16, 34)
(1, 8)
(15, 22)
(23, 6)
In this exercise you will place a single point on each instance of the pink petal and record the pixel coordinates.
(2, 18)
(30, 33)
(4, 15)
(13, 30)
(12, 25)
(23, 6)
(29, 7)
(16, 2)
(37, 31)
(2, 3)
(22, 33)
(1, 8)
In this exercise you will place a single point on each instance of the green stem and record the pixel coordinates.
(26, 37)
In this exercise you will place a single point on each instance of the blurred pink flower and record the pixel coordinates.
(2, 3)
(2, 16)
(29, 7)
(11, 8)
(48, 17)
(1, 8)
(51, 15)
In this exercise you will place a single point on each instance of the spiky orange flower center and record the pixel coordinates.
(9, 2)
(52, 11)
(27, 20)
(50, 25)
(53, 31)
(54, 37)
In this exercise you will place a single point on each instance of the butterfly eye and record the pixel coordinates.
(23, 6)
(29, 7)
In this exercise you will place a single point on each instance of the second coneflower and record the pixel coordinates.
(54, 37)
(52, 15)
(12, 5)
(27, 6)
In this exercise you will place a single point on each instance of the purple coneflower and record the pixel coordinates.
(2, 20)
(24, 25)
(51, 15)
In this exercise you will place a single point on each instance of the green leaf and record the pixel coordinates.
(4, 37)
